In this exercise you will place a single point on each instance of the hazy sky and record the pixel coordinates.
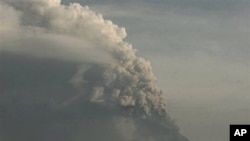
(199, 50)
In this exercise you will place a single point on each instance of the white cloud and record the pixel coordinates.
(199, 51)
(83, 105)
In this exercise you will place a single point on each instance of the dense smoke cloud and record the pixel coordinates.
(66, 74)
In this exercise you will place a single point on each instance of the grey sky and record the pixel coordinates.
(199, 50)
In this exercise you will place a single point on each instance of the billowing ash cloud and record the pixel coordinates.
(66, 74)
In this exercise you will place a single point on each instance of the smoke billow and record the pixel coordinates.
(66, 74)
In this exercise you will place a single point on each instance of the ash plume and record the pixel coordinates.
(66, 74)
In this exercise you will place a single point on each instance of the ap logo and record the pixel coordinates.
(239, 132)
